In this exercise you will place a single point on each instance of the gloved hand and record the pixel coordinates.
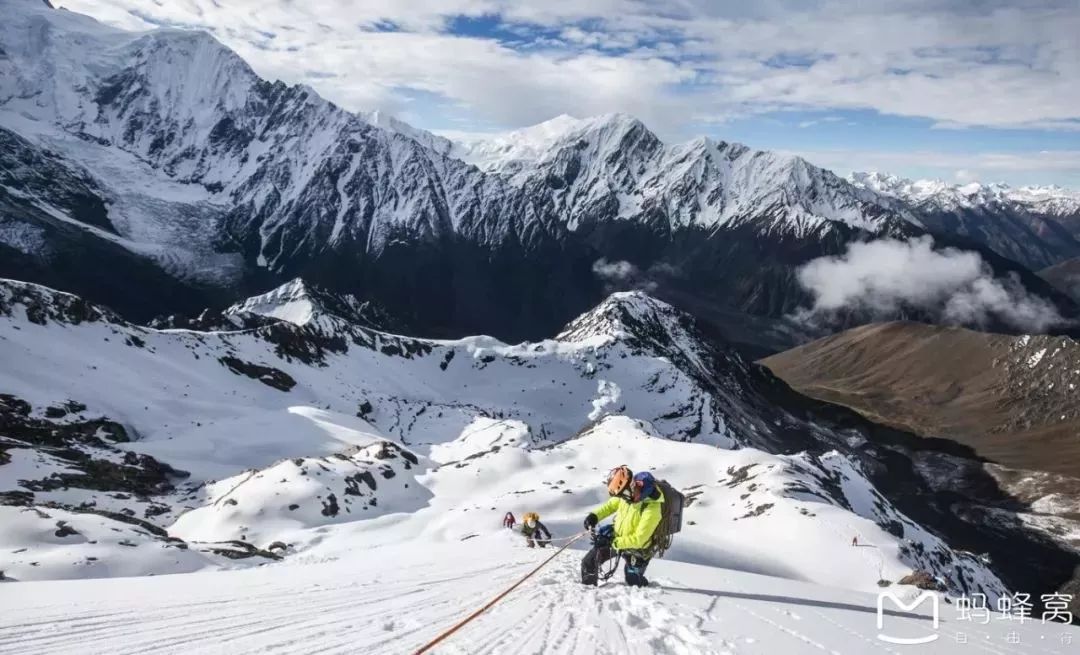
(591, 521)
(604, 537)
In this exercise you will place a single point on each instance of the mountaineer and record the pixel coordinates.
(536, 533)
(647, 513)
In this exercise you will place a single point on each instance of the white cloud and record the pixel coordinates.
(957, 63)
(622, 275)
(340, 50)
(964, 176)
(885, 276)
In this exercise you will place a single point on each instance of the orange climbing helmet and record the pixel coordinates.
(618, 481)
(531, 516)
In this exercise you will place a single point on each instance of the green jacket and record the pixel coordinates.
(634, 522)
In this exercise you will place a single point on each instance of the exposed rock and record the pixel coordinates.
(922, 580)
(330, 506)
(268, 375)
(238, 550)
(65, 530)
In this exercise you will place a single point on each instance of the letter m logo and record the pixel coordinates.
(896, 600)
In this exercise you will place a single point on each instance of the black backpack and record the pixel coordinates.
(670, 519)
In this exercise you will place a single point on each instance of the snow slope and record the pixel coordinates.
(377, 469)
(395, 599)
(327, 435)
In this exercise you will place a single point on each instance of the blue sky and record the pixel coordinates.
(977, 90)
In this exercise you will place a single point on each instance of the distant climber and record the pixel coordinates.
(509, 521)
(536, 533)
(647, 512)
(855, 540)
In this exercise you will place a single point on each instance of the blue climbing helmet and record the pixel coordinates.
(642, 487)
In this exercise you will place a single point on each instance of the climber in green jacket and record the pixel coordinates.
(637, 503)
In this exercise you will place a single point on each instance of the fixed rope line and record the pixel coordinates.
(434, 642)
(570, 538)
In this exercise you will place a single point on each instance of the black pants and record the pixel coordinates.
(536, 542)
(633, 567)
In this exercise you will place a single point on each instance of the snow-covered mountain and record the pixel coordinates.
(197, 164)
(1036, 226)
(612, 167)
(127, 450)
(201, 183)
(301, 304)
(942, 196)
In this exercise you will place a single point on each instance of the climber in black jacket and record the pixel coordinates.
(536, 533)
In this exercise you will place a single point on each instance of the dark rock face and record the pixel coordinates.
(65, 530)
(71, 259)
(239, 550)
(211, 320)
(80, 444)
(452, 288)
(42, 173)
(43, 305)
(268, 375)
(330, 506)
(77, 255)
(1034, 240)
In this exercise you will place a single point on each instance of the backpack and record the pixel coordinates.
(670, 519)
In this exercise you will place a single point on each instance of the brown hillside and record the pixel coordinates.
(1015, 400)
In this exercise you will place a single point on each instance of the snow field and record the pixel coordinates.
(392, 600)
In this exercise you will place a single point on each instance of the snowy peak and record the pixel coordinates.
(301, 304)
(385, 121)
(612, 167)
(945, 196)
(626, 315)
(55, 59)
(645, 326)
(512, 151)
(291, 302)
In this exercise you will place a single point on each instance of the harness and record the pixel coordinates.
(603, 573)
(606, 569)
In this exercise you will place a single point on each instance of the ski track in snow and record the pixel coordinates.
(394, 600)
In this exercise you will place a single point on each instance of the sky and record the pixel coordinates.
(981, 90)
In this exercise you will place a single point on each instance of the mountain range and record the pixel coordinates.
(165, 155)
(1035, 226)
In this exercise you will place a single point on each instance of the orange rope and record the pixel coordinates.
(483, 609)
